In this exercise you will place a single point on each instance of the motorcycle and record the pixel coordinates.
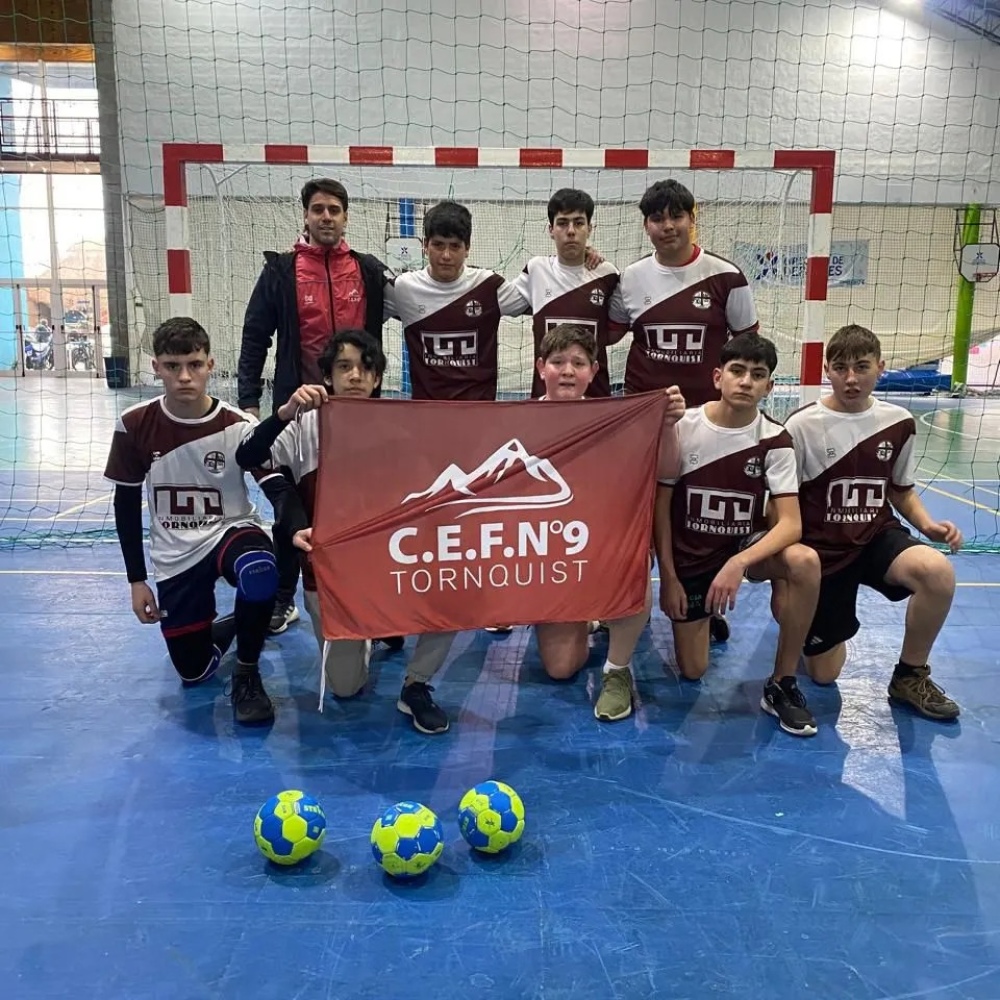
(38, 354)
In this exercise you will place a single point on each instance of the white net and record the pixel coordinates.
(235, 214)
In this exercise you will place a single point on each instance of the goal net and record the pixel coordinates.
(233, 207)
(197, 249)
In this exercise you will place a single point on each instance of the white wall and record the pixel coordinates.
(910, 105)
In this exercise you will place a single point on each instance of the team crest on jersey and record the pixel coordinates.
(753, 467)
(884, 451)
(215, 462)
(702, 300)
(597, 298)
(473, 308)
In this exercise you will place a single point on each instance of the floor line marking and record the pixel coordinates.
(955, 496)
(82, 506)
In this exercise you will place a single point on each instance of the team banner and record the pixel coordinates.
(440, 516)
(765, 264)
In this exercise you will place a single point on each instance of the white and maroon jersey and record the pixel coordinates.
(578, 295)
(195, 490)
(450, 330)
(297, 449)
(848, 462)
(725, 475)
(681, 317)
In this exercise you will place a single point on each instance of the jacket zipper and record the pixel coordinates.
(329, 292)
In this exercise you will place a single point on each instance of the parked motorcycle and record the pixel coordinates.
(38, 354)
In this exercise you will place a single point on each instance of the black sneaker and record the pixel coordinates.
(285, 612)
(394, 643)
(251, 705)
(415, 701)
(718, 629)
(787, 704)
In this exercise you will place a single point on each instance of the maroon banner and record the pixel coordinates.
(440, 516)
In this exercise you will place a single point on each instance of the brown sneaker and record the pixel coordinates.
(921, 693)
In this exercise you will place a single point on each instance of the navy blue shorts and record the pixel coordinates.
(188, 599)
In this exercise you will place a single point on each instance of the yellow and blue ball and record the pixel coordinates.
(289, 827)
(407, 839)
(491, 817)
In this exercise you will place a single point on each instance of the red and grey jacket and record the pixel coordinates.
(273, 310)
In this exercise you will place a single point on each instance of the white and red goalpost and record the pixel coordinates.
(816, 202)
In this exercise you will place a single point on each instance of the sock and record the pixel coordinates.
(609, 666)
(223, 633)
(245, 668)
(905, 669)
(252, 619)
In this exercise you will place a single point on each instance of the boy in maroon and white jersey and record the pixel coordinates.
(566, 364)
(182, 446)
(682, 303)
(562, 289)
(451, 312)
(352, 364)
(855, 459)
(733, 459)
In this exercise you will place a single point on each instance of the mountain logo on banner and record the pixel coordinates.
(506, 462)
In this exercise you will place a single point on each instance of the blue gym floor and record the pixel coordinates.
(692, 851)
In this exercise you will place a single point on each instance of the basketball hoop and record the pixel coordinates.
(404, 253)
(977, 248)
(980, 262)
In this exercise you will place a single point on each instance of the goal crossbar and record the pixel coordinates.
(820, 164)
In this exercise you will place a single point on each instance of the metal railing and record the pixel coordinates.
(51, 129)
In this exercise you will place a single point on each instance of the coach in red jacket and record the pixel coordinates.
(304, 296)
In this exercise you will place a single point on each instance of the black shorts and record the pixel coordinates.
(696, 586)
(836, 618)
(188, 599)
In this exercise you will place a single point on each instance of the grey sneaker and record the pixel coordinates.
(615, 700)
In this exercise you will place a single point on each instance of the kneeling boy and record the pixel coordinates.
(352, 364)
(733, 457)
(202, 525)
(855, 457)
(567, 364)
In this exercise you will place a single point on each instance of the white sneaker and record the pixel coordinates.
(282, 616)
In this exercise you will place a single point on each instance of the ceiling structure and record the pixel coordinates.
(980, 16)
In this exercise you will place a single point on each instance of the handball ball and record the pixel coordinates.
(407, 839)
(491, 817)
(289, 827)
